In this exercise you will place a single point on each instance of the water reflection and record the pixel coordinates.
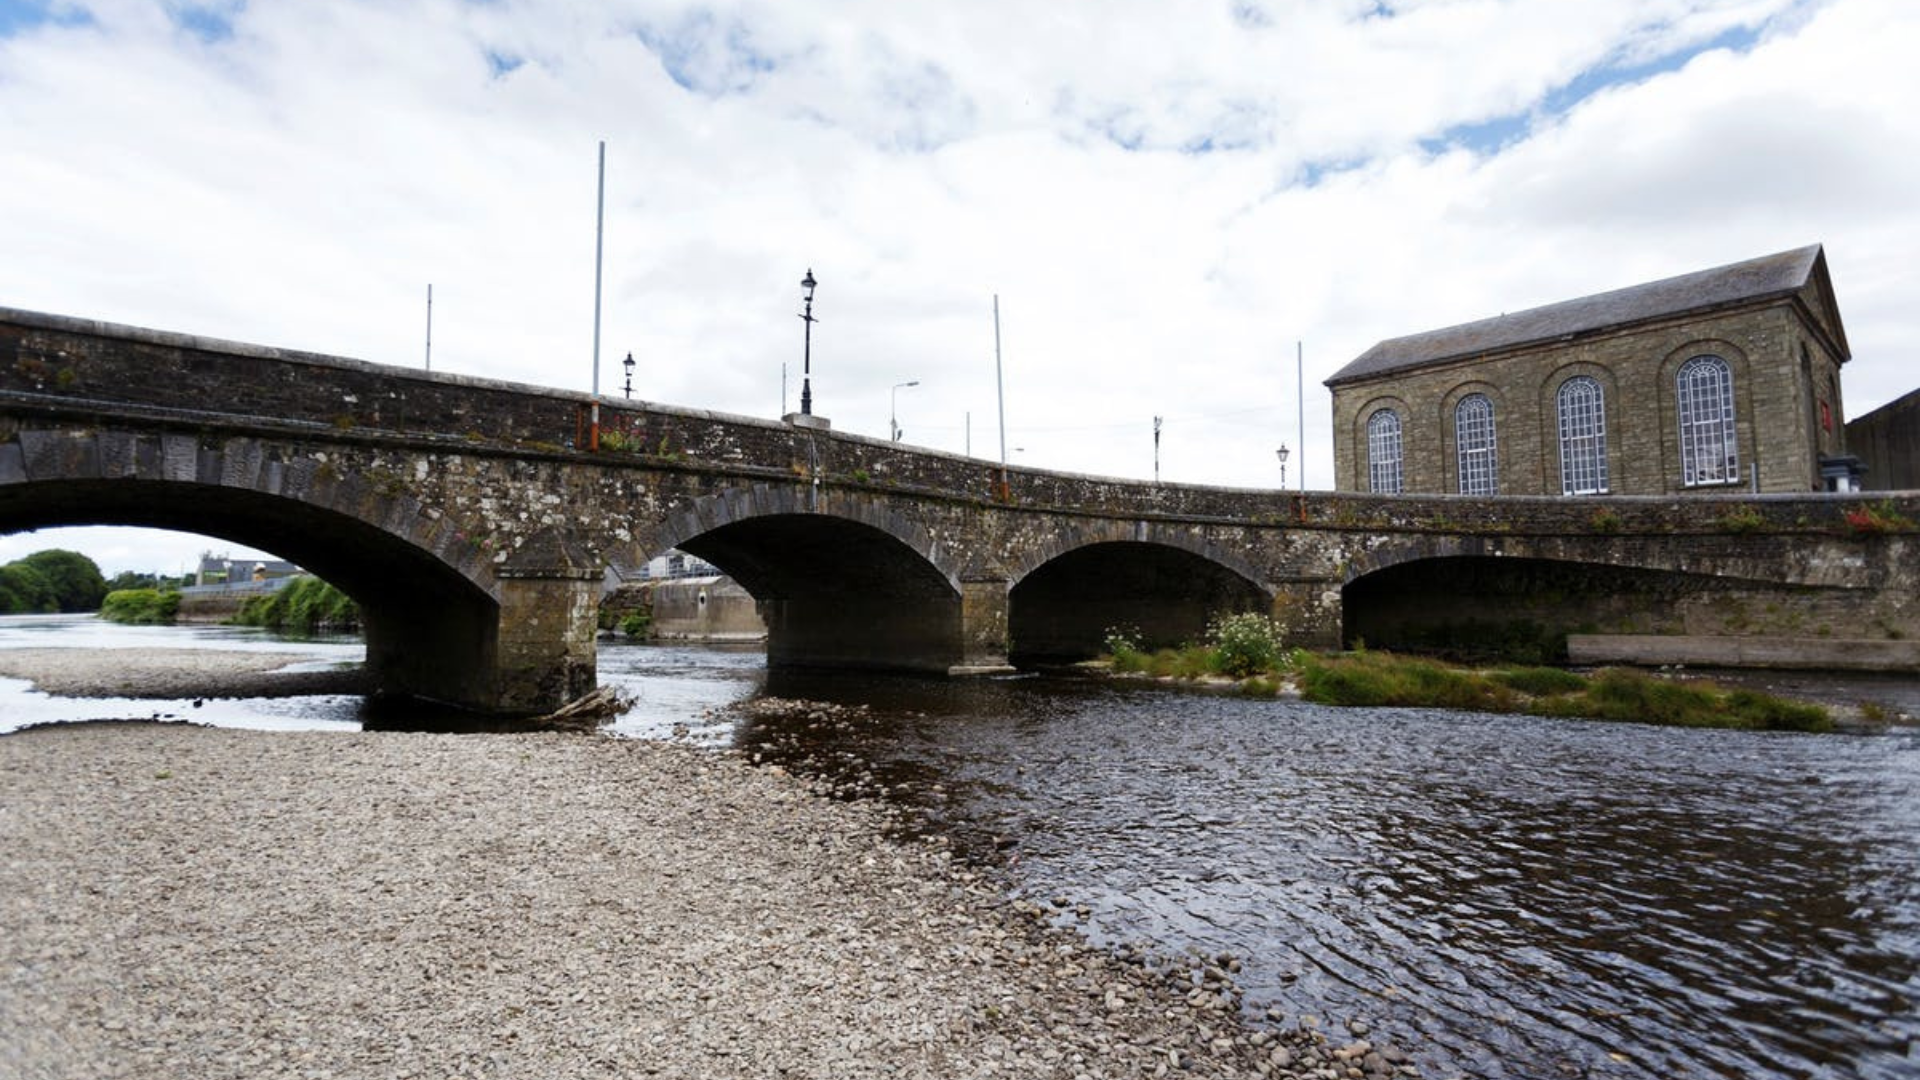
(1529, 898)
(1519, 898)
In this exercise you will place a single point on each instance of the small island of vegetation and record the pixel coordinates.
(1248, 649)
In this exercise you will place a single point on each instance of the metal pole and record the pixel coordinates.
(1156, 449)
(806, 357)
(429, 326)
(999, 382)
(969, 429)
(599, 236)
(783, 388)
(1300, 392)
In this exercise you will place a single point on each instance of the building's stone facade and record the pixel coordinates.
(1773, 321)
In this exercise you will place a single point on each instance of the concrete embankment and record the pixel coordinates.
(1811, 654)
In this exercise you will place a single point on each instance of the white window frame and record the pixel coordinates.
(1709, 437)
(1384, 453)
(1476, 445)
(1581, 405)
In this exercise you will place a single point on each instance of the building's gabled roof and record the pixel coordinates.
(1765, 278)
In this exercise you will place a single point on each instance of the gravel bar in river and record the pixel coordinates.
(201, 903)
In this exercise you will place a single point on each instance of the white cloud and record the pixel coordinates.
(1165, 204)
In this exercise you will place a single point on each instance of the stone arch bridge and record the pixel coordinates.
(476, 526)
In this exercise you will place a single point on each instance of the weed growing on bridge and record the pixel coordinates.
(1875, 519)
(1742, 519)
(1605, 520)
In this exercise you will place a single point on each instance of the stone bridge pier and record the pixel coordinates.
(475, 523)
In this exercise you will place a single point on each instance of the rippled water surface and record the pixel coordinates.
(1523, 898)
(1508, 897)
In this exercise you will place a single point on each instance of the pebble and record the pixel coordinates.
(372, 905)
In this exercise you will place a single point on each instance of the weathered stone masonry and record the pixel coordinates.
(475, 536)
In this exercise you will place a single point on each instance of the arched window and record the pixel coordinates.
(1383, 452)
(1583, 437)
(1709, 449)
(1473, 438)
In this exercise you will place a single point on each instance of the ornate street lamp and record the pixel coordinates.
(1282, 452)
(628, 364)
(893, 411)
(806, 357)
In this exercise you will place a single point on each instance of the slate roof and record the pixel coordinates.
(1767, 277)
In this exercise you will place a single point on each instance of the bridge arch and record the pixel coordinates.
(841, 580)
(1164, 584)
(429, 597)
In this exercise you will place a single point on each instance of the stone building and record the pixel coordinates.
(1724, 379)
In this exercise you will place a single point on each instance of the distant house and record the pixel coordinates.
(1724, 379)
(226, 570)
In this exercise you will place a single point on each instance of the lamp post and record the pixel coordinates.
(806, 357)
(893, 410)
(1282, 454)
(628, 364)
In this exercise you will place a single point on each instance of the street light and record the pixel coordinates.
(628, 364)
(893, 410)
(806, 370)
(1282, 452)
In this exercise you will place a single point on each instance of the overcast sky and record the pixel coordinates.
(1166, 197)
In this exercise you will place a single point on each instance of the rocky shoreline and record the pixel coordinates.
(172, 673)
(196, 902)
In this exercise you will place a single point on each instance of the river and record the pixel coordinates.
(1508, 897)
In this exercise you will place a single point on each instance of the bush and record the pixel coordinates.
(305, 605)
(1245, 644)
(636, 624)
(140, 607)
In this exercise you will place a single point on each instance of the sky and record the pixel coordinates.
(1188, 211)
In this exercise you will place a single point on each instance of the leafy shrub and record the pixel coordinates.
(1742, 519)
(305, 605)
(1245, 644)
(636, 624)
(143, 607)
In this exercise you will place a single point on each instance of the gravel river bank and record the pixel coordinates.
(192, 902)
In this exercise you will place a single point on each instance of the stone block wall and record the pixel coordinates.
(1777, 406)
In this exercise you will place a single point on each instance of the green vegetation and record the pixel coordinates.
(1239, 646)
(1363, 678)
(1873, 519)
(49, 581)
(1248, 648)
(637, 624)
(305, 605)
(144, 607)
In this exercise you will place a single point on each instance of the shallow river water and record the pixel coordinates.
(1507, 897)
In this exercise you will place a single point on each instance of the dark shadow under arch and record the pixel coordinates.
(835, 592)
(431, 632)
(1063, 610)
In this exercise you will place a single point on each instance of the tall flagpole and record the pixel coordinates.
(429, 326)
(999, 383)
(1300, 395)
(599, 236)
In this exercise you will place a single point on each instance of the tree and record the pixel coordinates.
(73, 579)
(24, 590)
